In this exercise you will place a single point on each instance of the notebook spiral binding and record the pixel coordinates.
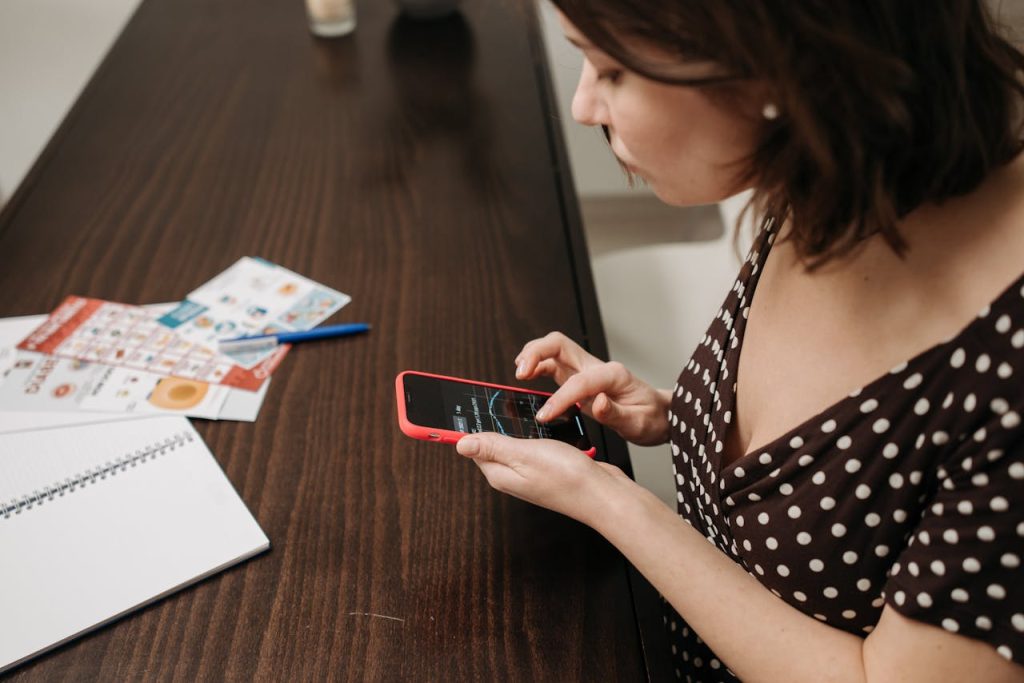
(93, 475)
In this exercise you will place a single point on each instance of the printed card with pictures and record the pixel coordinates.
(252, 297)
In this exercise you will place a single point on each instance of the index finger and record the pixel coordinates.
(581, 388)
(568, 356)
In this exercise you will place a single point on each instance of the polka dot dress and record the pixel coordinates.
(908, 492)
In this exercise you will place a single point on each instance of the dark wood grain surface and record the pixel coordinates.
(417, 167)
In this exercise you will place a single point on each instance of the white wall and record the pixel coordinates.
(48, 50)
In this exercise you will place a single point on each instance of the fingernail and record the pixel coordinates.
(521, 368)
(542, 414)
(467, 446)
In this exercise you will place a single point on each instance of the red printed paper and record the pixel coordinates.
(97, 331)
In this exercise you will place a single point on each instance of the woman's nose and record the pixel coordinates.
(585, 107)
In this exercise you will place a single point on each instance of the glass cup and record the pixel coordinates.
(331, 18)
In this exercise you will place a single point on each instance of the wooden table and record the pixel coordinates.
(419, 168)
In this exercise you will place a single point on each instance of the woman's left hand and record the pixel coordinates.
(544, 472)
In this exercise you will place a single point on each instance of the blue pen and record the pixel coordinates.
(264, 342)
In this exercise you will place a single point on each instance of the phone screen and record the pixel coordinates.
(467, 407)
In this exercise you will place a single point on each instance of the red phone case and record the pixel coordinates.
(447, 435)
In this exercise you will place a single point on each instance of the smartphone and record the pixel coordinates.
(439, 408)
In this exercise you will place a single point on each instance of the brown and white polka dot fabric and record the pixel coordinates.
(907, 492)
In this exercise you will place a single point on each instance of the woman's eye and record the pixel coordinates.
(609, 75)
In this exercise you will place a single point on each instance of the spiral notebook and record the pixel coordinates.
(98, 520)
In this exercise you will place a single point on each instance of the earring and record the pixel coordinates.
(770, 111)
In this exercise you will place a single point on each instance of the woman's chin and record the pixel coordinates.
(670, 195)
(675, 196)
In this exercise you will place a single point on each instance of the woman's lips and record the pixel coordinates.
(625, 164)
(619, 157)
(631, 169)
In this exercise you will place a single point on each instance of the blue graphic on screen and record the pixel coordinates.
(483, 409)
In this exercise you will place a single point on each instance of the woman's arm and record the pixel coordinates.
(757, 635)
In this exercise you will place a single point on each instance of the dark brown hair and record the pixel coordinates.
(884, 105)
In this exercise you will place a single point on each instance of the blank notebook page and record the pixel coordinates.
(97, 520)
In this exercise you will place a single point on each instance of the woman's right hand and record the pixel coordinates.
(606, 391)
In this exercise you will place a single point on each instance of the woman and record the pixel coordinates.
(850, 484)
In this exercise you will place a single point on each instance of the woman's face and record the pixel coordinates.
(687, 147)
